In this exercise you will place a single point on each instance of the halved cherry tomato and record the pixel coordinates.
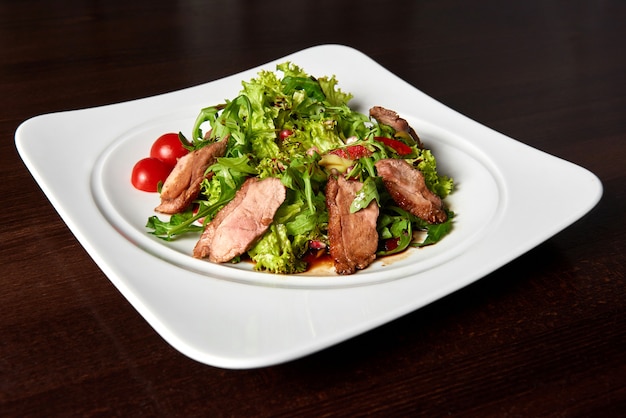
(168, 148)
(398, 146)
(148, 172)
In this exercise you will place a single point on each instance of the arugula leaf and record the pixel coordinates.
(208, 114)
(178, 224)
(397, 224)
(435, 232)
(363, 198)
(309, 84)
(233, 170)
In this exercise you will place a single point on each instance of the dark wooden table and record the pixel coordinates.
(542, 336)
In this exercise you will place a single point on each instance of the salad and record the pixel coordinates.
(286, 172)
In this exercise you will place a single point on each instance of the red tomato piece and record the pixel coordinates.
(339, 152)
(148, 172)
(352, 152)
(391, 244)
(358, 151)
(316, 245)
(285, 133)
(168, 148)
(398, 146)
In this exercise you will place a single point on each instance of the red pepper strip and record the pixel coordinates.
(398, 146)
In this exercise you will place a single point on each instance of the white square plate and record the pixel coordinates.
(229, 316)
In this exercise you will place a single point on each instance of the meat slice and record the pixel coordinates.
(242, 221)
(352, 237)
(391, 118)
(183, 184)
(408, 189)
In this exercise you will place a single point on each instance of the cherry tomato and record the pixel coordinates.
(168, 148)
(285, 133)
(148, 172)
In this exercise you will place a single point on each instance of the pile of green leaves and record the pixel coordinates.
(315, 114)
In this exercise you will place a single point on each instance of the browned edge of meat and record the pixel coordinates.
(391, 118)
(352, 237)
(238, 225)
(183, 184)
(408, 189)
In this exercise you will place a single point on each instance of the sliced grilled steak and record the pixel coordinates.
(352, 237)
(242, 221)
(183, 184)
(408, 189)
(391, 118)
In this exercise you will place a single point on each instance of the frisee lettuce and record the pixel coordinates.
(274, 252)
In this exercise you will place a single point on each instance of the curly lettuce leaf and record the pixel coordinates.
(274, 252)
(440, 185)
(333, 94)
